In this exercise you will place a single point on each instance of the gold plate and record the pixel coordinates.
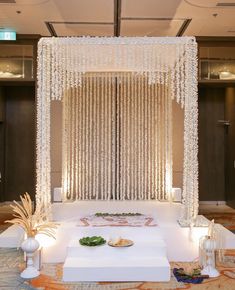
(122, 243)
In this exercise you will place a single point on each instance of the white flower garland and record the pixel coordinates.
(62, 64)
(96, 117)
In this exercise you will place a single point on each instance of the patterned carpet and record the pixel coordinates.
(11, 263)
(5, 214)
(225, 219)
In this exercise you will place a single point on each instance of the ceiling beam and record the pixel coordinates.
(117, 17)
(50, 28)
(183, 27)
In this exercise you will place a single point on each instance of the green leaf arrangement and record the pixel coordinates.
(195, 273)
(104, 214)
(92, 241)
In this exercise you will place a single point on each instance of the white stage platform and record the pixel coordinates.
(167, 241)
(179, 245)
(153, 248)
(144, 261)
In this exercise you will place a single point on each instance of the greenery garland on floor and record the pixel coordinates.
(92, 241)
(104, 214)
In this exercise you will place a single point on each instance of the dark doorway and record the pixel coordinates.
(230, 146)
(217, 144)
(2, 105)
(211, 144)
(18, 142)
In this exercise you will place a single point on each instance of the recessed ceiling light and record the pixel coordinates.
(211, 3)
(30, 2)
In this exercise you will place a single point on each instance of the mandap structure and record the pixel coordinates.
(116, 96)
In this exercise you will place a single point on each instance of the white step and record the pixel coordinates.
(12, 237)
(140, 249)
(106, 269)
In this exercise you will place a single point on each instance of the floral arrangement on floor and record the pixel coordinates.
(92, 241)
(104, 214)
(193, 277)
(33, 222)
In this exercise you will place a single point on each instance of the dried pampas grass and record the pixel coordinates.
(33, 222)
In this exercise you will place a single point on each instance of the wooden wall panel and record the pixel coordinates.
(19, 142)
(2, 102)
(211, 144)
(230, 146)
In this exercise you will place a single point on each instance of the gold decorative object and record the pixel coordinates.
(33, 222)
(120, 243)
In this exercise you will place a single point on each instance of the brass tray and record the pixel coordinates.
(122, 243)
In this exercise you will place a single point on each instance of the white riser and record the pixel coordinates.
(130, 269)
(12, 237)
(140, 249)
(143, 234)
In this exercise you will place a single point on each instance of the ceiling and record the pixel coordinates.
(119, 17)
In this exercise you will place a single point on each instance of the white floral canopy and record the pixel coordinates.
(69, 69)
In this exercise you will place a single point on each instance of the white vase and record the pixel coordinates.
(30, 246)
(209, 246)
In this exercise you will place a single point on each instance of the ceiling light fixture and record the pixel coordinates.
(7, 1)
(210, 4)
(225, 4)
